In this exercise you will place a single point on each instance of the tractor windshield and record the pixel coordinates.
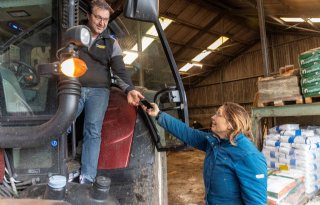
(26, 40)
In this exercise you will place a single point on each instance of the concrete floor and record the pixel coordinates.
(185, 182)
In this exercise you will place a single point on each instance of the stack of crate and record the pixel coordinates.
(279, 90)
(310, 74)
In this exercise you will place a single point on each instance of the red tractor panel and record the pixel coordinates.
(117, 132)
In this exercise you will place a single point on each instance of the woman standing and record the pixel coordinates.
(235, 172)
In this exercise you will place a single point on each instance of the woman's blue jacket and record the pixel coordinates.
(233, 175)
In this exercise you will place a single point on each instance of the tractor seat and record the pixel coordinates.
(12, 93)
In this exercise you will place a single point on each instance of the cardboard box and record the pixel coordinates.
(279, 187)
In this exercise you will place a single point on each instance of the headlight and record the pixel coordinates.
(78, 35)
(85, 36)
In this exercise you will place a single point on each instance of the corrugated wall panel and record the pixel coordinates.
(213, 93)
(244, 66)
(288, 49)
(214, 77)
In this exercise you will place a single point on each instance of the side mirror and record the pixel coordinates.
(143, 10)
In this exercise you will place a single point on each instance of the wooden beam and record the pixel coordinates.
(312, 24)
(196, 27)
(252, 3)
(232, 13)
(264, 39)
(295, 27)
(189, 61)
(200, 33)
(217, 52)
(204, 74)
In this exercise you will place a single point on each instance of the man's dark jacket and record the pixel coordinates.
(103, 54)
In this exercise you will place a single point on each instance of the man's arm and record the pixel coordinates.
(133, 96)
(118, 68)
(121, 83)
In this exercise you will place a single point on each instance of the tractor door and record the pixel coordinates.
(150, 62)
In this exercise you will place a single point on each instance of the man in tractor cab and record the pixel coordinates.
(103, 54)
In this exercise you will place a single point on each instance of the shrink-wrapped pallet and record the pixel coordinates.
(309, 62)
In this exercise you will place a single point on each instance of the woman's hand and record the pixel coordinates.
(152, 112)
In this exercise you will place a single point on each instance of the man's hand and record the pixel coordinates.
(134, 97)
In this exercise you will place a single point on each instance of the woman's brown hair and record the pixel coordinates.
(239, 120)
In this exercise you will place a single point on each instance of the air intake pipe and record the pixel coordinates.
(69, 90)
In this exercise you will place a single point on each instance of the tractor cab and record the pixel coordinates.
(40, 137)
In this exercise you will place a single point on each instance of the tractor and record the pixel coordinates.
(40, 136)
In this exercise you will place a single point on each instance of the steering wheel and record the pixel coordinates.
(26, 75)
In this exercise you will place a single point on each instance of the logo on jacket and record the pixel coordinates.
(100, 46)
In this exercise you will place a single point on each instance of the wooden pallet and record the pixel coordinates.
(281, 102)
(312, 99)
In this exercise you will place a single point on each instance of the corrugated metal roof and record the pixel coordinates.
(197, 23)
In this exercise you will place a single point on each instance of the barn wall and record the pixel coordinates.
(236, 81)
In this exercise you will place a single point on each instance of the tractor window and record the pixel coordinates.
(150, 70)
(144, 56)
(26, 36)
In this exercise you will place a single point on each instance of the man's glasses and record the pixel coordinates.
(99, 18)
